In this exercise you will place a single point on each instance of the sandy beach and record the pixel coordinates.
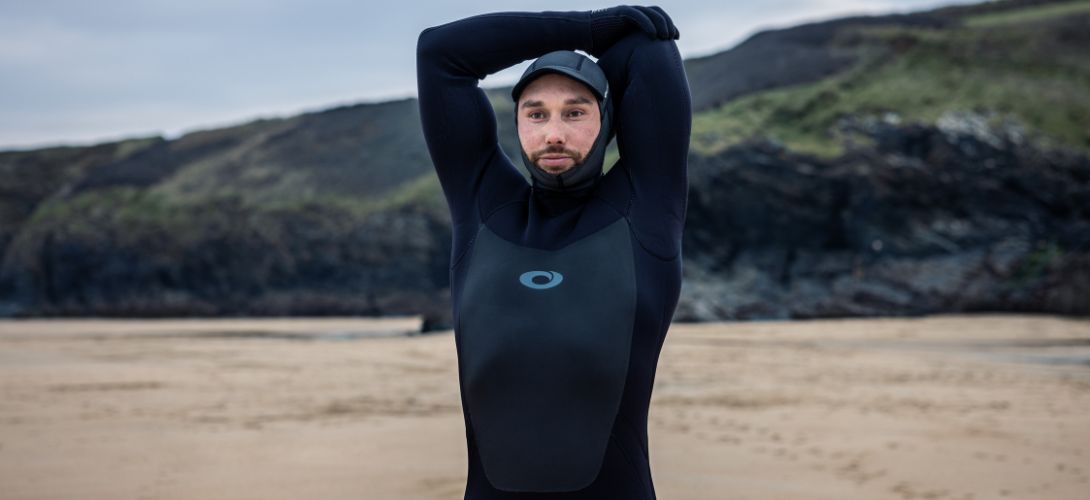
(945, 407)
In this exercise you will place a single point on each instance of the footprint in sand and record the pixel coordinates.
(907, 490)
(448, 486)
(729, 439)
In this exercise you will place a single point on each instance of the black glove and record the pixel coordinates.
(610, 25)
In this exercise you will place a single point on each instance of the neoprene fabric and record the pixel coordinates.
(544, 366)
(520, 354)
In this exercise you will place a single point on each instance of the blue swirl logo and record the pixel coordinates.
(534, 279)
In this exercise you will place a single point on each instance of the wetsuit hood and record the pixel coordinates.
(580, 68)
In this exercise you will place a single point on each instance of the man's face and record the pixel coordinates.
(558, 121)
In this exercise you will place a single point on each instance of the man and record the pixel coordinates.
(562, 288)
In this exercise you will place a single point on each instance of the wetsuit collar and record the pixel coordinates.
(554, 202)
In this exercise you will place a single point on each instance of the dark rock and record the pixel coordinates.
(962, 216)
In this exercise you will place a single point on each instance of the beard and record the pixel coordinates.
(577, 157)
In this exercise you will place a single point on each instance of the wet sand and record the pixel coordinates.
(947, 407)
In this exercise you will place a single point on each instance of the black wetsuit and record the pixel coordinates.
(561, 300)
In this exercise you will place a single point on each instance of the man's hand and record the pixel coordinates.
(610, 25)
(651, 20)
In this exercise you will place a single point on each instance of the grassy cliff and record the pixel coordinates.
(1027, 64)
(341, 206)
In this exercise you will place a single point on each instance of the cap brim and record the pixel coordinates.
(563, 70)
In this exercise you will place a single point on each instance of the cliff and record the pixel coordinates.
(908, 164)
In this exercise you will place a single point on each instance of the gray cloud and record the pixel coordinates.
(80, 72)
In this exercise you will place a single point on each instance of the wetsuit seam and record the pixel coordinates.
(628, 211)
(606, 202)
(658, 257)
(492, 212)
(634, 470)
(489, 162)
(462, 254)
(482, 219)
(480, 225)
(633, 431)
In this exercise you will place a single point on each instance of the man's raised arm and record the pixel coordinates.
(653, 116)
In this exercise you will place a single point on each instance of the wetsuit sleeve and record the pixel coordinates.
(653, 116)
(458, 121)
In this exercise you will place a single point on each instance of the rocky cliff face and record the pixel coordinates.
(963, 216)
(230, 260)
(957, 217)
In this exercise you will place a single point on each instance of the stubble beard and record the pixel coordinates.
(577, 158)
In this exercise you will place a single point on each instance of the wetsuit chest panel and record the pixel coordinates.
(545, 339)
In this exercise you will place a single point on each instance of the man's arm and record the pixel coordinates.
(653, 116)
(458, 122)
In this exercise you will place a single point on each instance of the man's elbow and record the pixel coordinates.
(429, 45)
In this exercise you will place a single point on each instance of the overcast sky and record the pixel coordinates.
(79, 72)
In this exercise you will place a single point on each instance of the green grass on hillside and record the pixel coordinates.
(422, 192)
(119, 213)
(1017, 72)
(1028, 14)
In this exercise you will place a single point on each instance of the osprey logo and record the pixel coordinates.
(540, 280)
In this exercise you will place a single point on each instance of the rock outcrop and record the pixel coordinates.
(961, 216)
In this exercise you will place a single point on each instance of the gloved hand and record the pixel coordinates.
(612, 24)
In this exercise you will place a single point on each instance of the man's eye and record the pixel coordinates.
(536, 115)
(577, 112)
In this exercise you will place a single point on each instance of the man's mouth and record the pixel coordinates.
(553, 163)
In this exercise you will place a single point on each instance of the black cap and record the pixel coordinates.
(567, 63)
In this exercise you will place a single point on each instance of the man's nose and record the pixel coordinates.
(554, 134)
